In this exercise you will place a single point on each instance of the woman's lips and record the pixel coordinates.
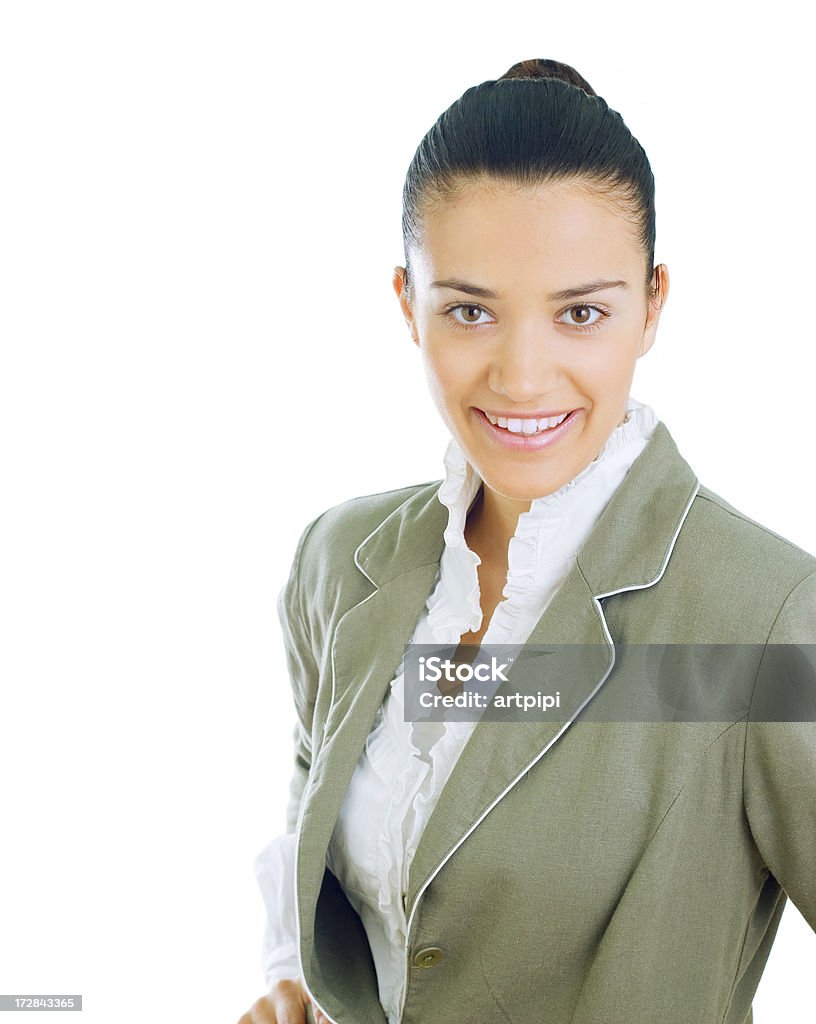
(527, 442)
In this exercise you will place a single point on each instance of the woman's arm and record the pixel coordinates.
(275, 872)
(275, 864)
(303, 675)
(779, 783)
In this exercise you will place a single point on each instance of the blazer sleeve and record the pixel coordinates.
(779, 781)
(275, 864)
(303, 675)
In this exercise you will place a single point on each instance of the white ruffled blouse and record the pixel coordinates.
(404, 765)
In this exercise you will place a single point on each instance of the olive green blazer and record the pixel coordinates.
(572, 872)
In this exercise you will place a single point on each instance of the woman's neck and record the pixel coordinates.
(491, 523)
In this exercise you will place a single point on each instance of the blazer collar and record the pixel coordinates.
(628, 546)
(628, 549)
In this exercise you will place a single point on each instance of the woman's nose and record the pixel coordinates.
(523, 367)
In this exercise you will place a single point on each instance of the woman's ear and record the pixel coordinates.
(401, 287)
(658, 294)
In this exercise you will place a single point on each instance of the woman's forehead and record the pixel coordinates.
(504, 236)
(490, 190)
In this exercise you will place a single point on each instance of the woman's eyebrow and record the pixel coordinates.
(565, 293)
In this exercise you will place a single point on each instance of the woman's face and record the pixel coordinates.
(530, 305)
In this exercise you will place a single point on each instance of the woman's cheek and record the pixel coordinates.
(440, 370)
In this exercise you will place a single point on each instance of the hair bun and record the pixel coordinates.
(539, 68)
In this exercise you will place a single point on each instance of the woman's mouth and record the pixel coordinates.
(527, 433)
(526, 426)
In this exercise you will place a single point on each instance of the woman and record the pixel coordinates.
(589, 869)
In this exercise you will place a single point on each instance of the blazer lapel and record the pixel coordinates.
(628, 549)
(401, 560)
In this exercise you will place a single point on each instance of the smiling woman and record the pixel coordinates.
(601, 867)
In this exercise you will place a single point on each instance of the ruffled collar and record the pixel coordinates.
(546, 539)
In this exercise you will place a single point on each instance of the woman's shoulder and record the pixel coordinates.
(356, 517)
(737, 572)
(329, 541)
(744, 538)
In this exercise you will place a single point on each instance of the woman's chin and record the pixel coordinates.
(527, 490)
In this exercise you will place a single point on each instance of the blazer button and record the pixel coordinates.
(428, 957)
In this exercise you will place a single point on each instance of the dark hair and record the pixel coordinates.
(540, 122)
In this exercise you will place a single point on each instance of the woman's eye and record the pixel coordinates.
(469, 314)
(581, 315)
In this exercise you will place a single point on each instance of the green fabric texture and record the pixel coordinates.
(572, 872)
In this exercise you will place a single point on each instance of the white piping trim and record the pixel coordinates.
(540, 754)
(365, 541)
(641, 586)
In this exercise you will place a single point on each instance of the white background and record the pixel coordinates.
(199, 216)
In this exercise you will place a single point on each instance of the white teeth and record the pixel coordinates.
(520, 426)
